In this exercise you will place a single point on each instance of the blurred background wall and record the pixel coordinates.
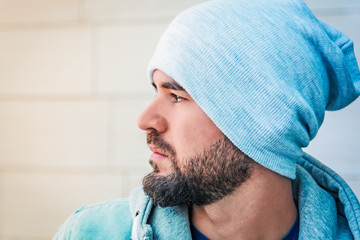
(72, 83)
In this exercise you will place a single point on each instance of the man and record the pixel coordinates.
(242, 86)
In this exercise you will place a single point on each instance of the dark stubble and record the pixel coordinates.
(200, 180)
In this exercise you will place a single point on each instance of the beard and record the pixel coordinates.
(200, 180)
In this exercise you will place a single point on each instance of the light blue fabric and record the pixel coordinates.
(328, 209)
(263, 70)
(108, 220)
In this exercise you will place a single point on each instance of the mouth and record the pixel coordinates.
(160, 160)
(157, 155)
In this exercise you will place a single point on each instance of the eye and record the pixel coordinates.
(176, 99)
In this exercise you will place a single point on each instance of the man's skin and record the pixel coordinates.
(261, 208)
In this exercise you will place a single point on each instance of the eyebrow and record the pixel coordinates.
(171, 85)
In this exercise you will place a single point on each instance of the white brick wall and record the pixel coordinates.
(35, 200)
(122, 67)
(54, 133)
(45, 60)
(38, 11)
(72, 83)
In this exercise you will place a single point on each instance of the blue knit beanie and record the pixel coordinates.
(264, 71)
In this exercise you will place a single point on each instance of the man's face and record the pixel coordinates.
(180, 122)
(193, 162)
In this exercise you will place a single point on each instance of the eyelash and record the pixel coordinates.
(176, 99)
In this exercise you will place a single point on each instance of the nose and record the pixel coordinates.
(153, 118)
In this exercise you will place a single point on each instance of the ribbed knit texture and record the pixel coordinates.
(263, 70)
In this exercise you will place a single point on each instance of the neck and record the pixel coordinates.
(261, 208)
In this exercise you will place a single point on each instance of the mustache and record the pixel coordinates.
(153, 137)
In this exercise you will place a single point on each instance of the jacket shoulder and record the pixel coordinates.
(106, 220)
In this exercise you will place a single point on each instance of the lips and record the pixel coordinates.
(157, 154)
(157, 157)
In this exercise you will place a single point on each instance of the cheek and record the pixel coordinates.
(195, 135)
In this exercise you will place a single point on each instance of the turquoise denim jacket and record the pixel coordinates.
(328, 209)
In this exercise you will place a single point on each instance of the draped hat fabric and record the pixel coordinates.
(264, 71)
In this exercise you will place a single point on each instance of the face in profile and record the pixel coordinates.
(193, 162)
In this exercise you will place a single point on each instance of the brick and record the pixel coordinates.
(130, 149)
(335, 4)
(36, 204)
(167, 8)
(133, 179)
(55, 133)
(45, 61)
(25, 11)
(124, 53)
(21, 238)
(110, 9)
(136, 9)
